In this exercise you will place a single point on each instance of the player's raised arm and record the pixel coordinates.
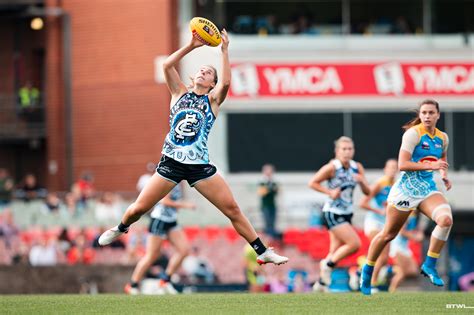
(220, 91)
(172, 78)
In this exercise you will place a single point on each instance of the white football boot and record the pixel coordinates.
(109, 236)
(167, 287)
(269, 256)
(325, 272)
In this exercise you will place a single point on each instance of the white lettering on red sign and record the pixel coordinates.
(300, 80)
(445, 79)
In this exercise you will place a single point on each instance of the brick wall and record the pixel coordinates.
(119, 112)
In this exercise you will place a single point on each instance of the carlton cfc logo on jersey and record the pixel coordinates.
(184, 127)
(425, 145)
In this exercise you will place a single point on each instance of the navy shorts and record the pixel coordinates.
(161, 228)
(175, 171)
(331, 219)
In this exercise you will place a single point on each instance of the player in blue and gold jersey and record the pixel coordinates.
(423, 151)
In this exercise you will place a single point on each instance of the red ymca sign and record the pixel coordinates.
(251, 80)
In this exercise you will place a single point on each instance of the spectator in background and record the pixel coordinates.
(28, 96)
(401, 26)
(298, 280)
(136, 247)
(268, 190)
(30, 189)
(6, 188)
(80, 252)
(83, 189)
(64, 242)
(253, 273)
(108, 209)
(277, 283)
(302, 25)
(52, 203)
(267, 25)
(71, 205)
(143, 180)
(8, 230)
(198, 268)
(466, 282)
(44, 253)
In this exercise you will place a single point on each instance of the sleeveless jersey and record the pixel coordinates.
(419, 184)
(344, 179)
(191, 120)
(168, 214)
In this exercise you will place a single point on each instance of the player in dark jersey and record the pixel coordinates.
(185, 153)
(342, 175)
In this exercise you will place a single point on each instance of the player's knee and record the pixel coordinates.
(355, 245)
(184, 251)
(388, 236)
(232, 211)
(445, 221)
(136, 209)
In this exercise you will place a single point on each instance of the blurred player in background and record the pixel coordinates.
(163, 226)
(343, 174)
(423, 150)
(376, 202)
(404, 260)
(185, 152)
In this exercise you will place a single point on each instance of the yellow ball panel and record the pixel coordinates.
(205, 30)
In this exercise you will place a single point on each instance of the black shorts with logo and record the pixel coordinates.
(331, 219)
(175, 171)
(161, 228)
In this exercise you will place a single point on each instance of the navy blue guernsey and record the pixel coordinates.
(191, 120)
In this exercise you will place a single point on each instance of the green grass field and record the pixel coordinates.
(243, 303)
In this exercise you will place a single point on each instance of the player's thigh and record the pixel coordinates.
(217, 191)
(429, 204)
(154, 191)
(395, 220)
(346, 234)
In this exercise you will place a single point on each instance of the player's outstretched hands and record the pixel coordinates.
(225, 40)
(196, 42)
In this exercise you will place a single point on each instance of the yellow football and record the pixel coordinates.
(206, 31)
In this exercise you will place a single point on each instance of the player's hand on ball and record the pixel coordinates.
(196, 42)
(225, 40)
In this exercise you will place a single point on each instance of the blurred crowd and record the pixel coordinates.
(107, 206)
(305, 24)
